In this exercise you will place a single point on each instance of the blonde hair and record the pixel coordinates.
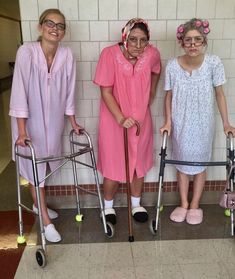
(44, 15)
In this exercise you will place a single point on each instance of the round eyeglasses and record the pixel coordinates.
(133, 41)
(196, 41)
(51, 24)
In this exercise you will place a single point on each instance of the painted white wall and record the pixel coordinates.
(94, 24)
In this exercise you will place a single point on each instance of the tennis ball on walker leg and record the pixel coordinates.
(21, 239)
(23, 181)
(227, 212)
(79, 217)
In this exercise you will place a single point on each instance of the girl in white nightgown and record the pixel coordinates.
(193, 81)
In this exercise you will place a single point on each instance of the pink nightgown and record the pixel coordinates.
(131, 89)
(43, 98)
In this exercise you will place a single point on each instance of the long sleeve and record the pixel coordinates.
(20, 84)
(71, 79)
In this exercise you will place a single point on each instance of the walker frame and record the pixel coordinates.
(229, 163)
(83, 148)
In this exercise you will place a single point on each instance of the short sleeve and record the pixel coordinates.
(156, 61)
(104, 75)
(20, 83)
(168, 84)
(218, 73)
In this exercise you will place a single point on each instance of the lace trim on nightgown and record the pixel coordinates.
(127, 65)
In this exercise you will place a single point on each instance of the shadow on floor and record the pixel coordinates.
(90, 230)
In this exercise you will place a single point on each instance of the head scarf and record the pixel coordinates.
(129, 26)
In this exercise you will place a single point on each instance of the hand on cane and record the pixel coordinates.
(127, 122)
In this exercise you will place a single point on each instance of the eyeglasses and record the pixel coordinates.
(189, 41)
(133, 41)
(51, 24)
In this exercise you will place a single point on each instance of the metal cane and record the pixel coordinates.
(130, 227)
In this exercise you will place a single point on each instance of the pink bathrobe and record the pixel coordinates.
(43, 99)
(131, 89)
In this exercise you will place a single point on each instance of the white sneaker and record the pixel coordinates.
(51, 213)
(51, 233)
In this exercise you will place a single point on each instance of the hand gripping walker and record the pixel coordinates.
(77, 148)
(163, 161)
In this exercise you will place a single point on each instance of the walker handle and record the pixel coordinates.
(230, 140)
(28, 142)
(164, 140)
(81, 131)
(230, 134)
(165, 133)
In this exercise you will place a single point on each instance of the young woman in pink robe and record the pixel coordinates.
(127, 74)
(42, 94)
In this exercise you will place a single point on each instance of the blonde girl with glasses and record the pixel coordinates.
(127, 73)
(192, 82)
(42, 94)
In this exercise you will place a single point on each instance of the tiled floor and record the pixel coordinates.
(180, 259)
(177, 251)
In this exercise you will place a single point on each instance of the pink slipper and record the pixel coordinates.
(194, 216)
(178, 214)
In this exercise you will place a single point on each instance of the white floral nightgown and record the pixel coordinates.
(193, 99)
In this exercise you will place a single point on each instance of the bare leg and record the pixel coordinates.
(183, 181)
(198, 186)
(45, 217)
(110, 188)
(136, 186)
(139, 213)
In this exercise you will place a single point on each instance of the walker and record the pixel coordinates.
(77, 148)
(229, 163)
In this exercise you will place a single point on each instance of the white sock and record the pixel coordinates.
(108, 204)
(135, 201)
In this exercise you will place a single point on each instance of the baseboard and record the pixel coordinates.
(64, 196)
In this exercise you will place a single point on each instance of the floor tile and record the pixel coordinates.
(159, 272)
(118, 260)
(204, 271)
(225, 248)
(230, 267)
(195, 251)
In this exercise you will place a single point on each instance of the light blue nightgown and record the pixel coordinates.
(193, 116)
